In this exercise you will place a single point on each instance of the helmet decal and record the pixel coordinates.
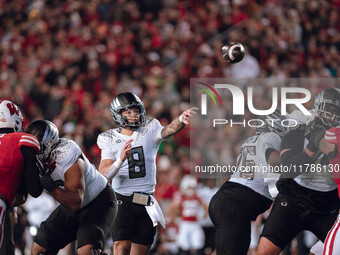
(10, 116)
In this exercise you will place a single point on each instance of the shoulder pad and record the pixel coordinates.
(30, 141)
(108, 136)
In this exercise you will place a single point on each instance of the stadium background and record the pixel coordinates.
(65, 61)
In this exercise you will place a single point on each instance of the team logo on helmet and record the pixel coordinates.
(10, 116)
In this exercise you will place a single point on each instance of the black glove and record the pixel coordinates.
(41, 165)
(315, 131)
(333, 153)
(45, 176)
(48, 183)
(311, 147)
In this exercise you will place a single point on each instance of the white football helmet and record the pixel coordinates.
(10, 116)
(188, 185)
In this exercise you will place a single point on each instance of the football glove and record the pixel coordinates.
(45, 176)
(315, 131)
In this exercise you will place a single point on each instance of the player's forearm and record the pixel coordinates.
(173, 128)
(293, 159)
(112, 172)
(31, 176)
(105, 165)
(103, 170)
(69, 198)
(325, 147)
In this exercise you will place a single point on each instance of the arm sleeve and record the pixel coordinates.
(296, 156)
(31, 172)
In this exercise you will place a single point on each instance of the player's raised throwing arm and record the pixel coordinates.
(178, 124)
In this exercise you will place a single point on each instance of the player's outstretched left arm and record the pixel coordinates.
(179, 123)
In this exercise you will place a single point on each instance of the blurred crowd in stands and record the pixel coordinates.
(65, 60)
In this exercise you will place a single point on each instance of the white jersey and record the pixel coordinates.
(138, 172)
(253, 154)
(320, 179)
(65, 154)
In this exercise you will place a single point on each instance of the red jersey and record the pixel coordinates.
(12, 161)
(333, 136)
(190, 207)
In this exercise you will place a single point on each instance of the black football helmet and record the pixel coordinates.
(272, 123)
(47, 134)
(327, 105)
(123, 102)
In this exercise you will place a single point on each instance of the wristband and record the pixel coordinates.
(181, 118)
(118, 163)
(114, 169)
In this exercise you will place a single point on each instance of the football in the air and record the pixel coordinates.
(233, 52)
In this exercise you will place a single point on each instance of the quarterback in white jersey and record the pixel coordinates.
(87, 203)
(138, 173)
(246, 195)
(129, 160)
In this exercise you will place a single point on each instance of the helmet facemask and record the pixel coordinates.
(46, 133)
(329, 114)
(47, 146)
(124, 119)
(327, 105)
